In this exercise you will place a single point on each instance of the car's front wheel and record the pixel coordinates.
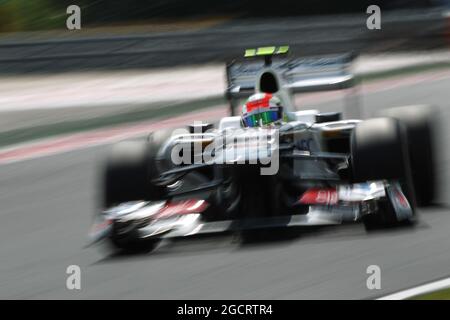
(128, 174)
(420, 122)
(379, 151)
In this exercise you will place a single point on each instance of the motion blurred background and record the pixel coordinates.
(136, 34)
(135, 56)
(147, 63)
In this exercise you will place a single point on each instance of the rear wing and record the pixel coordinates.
(309, 74)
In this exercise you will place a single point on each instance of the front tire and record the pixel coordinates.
(419, 122)
(379, 152)
(128, 173)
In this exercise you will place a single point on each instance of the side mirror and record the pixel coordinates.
(328, 117)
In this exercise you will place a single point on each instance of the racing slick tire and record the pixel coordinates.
(128, 176)
(378, 151)
(128, 173)
(419, 122)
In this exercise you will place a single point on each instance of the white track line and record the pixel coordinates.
(426, 288)
(85, 139)
(90, 138)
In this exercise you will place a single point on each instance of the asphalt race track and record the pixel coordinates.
(46, 206)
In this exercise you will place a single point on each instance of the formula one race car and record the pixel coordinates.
(271, 166)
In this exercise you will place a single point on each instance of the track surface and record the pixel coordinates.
(47, 205)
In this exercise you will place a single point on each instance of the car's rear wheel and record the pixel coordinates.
(379, 152)
(419, 122)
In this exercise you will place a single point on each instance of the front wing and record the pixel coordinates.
(172, 219)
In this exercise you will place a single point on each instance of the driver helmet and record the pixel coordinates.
(262, 109)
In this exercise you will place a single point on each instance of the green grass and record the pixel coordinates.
(26, 15)
(437, 295)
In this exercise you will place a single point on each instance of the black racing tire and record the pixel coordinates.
(420, 122)
(386, 218)
(379, 152)
(128, 174)
(133, 246)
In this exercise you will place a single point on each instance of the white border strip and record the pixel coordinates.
(426, 288)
